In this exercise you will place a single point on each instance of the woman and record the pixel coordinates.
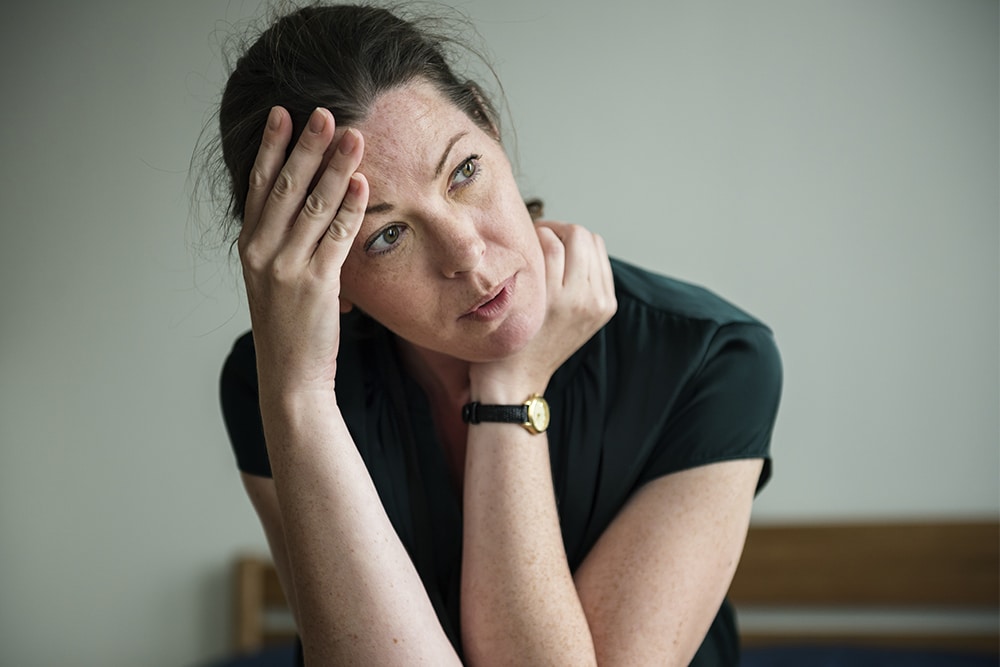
(469, 436)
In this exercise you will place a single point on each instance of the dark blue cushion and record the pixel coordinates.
(844, 656)
(276, 656)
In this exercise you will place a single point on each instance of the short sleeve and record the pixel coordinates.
(728, 408)
(241, 408)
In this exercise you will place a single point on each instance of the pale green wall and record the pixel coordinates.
(832, 166)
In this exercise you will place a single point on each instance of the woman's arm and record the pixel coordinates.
(519, 603)
(359, 598)
(648, 590)
(656, 577)
(357, 595)
(646, 593)
(264, 499)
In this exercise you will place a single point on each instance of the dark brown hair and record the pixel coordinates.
(341, 57)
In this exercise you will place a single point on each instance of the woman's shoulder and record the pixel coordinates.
(241, 362)
(645, 290)
(667, 327)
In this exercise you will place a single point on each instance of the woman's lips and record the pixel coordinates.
(495, 306)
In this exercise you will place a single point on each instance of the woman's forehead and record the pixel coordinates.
(408, 127)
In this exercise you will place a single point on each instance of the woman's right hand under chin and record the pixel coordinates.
(580, 299)
(293, 243)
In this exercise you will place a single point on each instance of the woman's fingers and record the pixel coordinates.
(339, 235)
(582, 280)
(579, 250)
(320, 209)
(290, 186)
(555, 257)
(270, 158)
(607, 276)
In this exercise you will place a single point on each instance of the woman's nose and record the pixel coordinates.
(460, 247)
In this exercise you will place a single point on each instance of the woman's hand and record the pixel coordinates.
(301, 219)
(580, 296)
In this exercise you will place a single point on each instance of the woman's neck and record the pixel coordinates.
(443, 378)
(445, 381)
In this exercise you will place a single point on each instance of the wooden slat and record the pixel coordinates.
(274, 596)
(257, 594)
(886, 565)
(248, 598)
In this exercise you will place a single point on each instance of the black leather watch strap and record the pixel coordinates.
(474, 413)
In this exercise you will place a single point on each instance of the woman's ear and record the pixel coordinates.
(536, 208)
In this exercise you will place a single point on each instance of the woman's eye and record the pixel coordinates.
(385, 239)
(467, 171)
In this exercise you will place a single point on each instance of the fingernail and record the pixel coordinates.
(348, 142)
(317, 121)
(354, 185)
(273, 119)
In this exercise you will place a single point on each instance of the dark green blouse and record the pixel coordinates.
(678, 378)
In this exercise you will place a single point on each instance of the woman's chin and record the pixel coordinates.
(512, 336)
(509, 339)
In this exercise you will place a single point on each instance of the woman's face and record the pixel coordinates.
(447, 257)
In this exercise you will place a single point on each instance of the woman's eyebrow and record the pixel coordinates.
(447, 151)
(378, 208)
(385, 207)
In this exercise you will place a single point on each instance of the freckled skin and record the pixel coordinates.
(461, 236)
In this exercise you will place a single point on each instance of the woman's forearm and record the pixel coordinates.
(359, 598)
(519, 602)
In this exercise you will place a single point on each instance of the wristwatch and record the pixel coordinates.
(533, 414)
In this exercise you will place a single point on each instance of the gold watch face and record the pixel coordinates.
(538, 414)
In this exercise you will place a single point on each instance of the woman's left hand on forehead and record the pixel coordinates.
(302, 214)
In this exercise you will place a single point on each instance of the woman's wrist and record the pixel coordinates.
(505, 388)
(300, 410)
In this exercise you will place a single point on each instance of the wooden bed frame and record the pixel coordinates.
(940, 567)
(936, 566)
